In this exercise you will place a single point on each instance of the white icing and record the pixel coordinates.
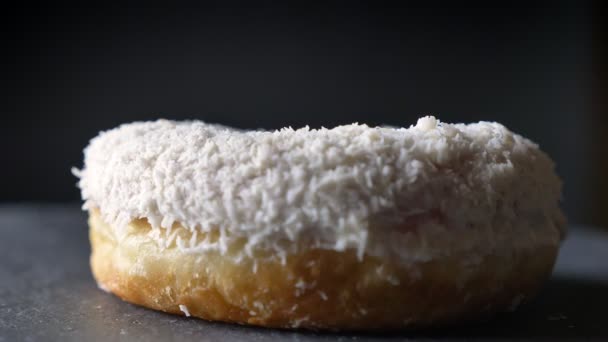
(343, 188)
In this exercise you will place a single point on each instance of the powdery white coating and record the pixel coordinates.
(350, 187)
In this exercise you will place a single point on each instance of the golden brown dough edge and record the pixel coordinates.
(317, 289)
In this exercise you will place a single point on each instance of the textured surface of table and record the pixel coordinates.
(47, 294)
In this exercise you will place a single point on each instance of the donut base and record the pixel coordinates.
(316, 289)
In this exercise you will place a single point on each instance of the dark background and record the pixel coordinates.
(70, 72)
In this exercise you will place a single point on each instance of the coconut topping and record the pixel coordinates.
(350, 187)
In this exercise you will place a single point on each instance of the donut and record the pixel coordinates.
(351, 228)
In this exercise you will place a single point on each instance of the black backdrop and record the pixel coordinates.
(70, 72)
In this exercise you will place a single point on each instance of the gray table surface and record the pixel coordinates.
(47, 294)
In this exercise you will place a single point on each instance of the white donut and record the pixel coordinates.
(346, 228)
